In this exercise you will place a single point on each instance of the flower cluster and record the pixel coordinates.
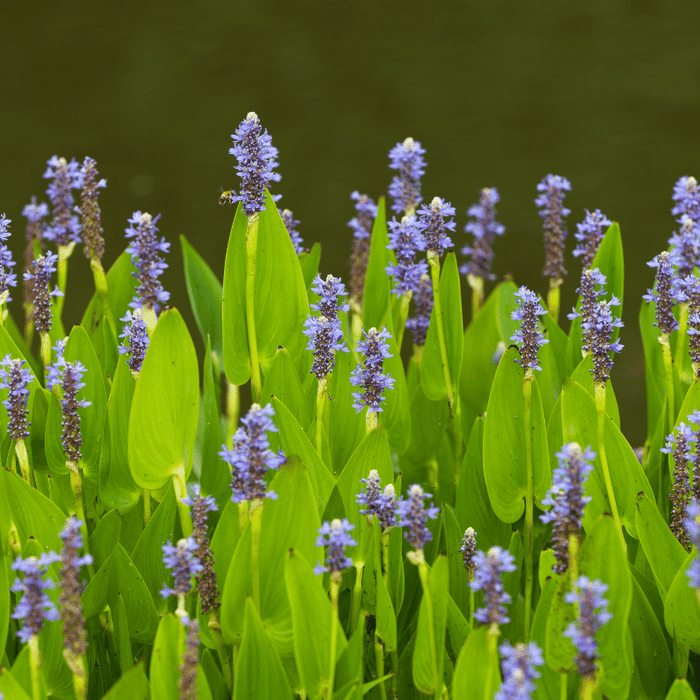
(685, 246)
(251, 457)
(378, 502)
(590, 233)
(370, 379)
(691, 291)
(136, 340)
(590, 279)
(592, 615)
(488, 578)
(529, 335)
(290, 223)
(256, 159)
(187, 685)
(325, 332)
(35, 607)
(599, 330)
(361, 225)
(553, 213)
(65, 177)
(183, 564)
(566, 496)
(519, 670)
(423, 300)
(69, 375)
(34, 214)
(7, 277)
(468, 549)
(40, 274)
(434, 227)
(666, 292)
(144, 249)
(407, 158)
(406, 240)
(413, 516)
(484, 228)
(686, 195)
(335, 536)
(74, 635)
(90, 216)
(692, 526)
(15, 376)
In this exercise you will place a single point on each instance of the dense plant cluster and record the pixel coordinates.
(457, 514)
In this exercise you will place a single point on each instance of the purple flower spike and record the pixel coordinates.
(335, 536)
(65, 177)
(553, 212)
(685, 246)
(145, 252)
(666, 292)
(251, 457)
(424, 302)
(136, 340)
(329, 290)
(485, 228)
(592, 615)
(74, 637)
(290, 223)
(529, 335)
(256, 159)
(378, 502)
(590, 279)
(432, 224)
(370, 379)
(407, 158)
(361, 225)
(406, 240)
(692, 526)
(35, 606)
(468, 549)
(589, 235)
(566, 496)
(34, 214)
(40, 274)
(15, 376)
(600, 330)
(686, 195)
(183, 565)
(488, 578)
(69, 375)
(187, 685)
(413, 515)
(90, 215)
(7, 277)
(519, 670)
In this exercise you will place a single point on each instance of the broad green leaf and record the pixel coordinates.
(104, 538)
(548, 685)
(165, 406)
(682, 608)
(133, 685)
(428, 656)
(377, 295)
(432, 370)
(311, 616)
(348, 669)
(205, 293)
(283, 383)
(224, 541)
(120, 623)
(654, 372)
(559, 652)
(681, 690)
(148, 552)
(505, 467)
(235, 586)
(119, 575)
(259, 671)
(5, 583)
(166, 658)
(583, 375)
(459, 580)
(386, 617)
(38, 408)
(457, 625)
(10, 687)
(309, 262)
(472, 668)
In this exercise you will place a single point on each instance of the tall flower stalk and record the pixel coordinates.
(15, 376)
(468, 549)
(34, 214)
(405, 188)
(361, 225)
(530, 339)
(7, 277)
(39, 274)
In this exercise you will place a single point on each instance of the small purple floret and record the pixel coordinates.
(413, 516)
(529, 335)
(369, 378)
(407, 158)
(335, 536)
(488, 578)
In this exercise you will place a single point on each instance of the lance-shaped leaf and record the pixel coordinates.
(165, 406)
(472, 669)
(682, 608)
(376, 298)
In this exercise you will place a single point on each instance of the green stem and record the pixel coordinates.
(600, 405)
(335, 586)
(492, 662)
(587, 688)
(77, 666)
(573, 557)
(395, 677)
(385, 560)
(34, 665)
(563, 682)
(529, 499)
(233, 406)
(356, 323)
(471, 604)
(256, 508)
(379, 662)
(28, 323)
(148, 314)
(76, 483)
(320, 404)
(403, 315)
(251, 240)
(45, 349)
(98, 274)
(423, 573)
(356, 603)
(668, 368)
(371, 420)
(681, 338)
(477, 285)
(553, 297)
(22, 458)
(146, 506)
(183, 510)
(64, 252)
(217, 638)
(243, 516)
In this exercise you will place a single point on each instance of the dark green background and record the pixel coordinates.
(500, 93)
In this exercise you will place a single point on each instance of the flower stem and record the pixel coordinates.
(385, 559)
(335, 587)
(553, 297)
(251, 241)
(670, 398)
(146, 506)
(77, 509)
(477, 285)
(23, 458)
(423, 573)
(233, 407)
(529, 499)
(320, 404)
(573, 556)
(77, 665)
(64, 252)
(34, 665)
(98, 274)
(379, 662)
(184, 510)
(600, 405)
(371, 420)
(217, 638)
(45, 349)
(256, 508)
(563, 682)
(492, 663)
(403, 315)
(356, 603)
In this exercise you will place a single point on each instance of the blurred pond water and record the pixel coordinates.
(499, 93)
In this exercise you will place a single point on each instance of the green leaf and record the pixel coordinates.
(428, 656)
(165, 406)
(121, 632)
(118, 575)
(559, 651)
(148, 552)
(309, 263)
(5, 583)
(548, 685)
(259, 672)
(376, 296)
(681, 690)
(654, 372)
(235, 586)
(104, 538)
(205, 293)
(472, 667)
(38, 409)
(432, 372)
(311, 617)
(283, 383)
(583, 375)
(165, 659)
(11, 687)
(133, 685)
(682, 608)
(386, 617)
(459, 580)
(224, 541)
(504, 442)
